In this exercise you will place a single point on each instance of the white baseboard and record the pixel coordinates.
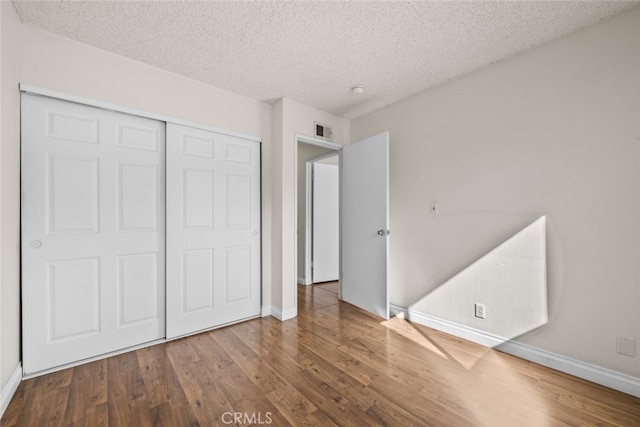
(596, 374)
(9, 389)
(287, 314)
(265, 311)
(303, 281)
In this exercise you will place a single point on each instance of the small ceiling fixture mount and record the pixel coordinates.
(357, 89)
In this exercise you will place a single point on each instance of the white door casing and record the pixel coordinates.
(92, 231)
(326, 222)
(213, 229)
(364, 207)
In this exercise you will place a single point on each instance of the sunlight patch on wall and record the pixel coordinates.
(510, 282)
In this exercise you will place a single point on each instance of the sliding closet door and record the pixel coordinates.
(92, 231)
(213, 229)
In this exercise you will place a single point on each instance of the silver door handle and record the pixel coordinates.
(383, 232)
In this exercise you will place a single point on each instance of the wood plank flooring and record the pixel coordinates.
(332, 365)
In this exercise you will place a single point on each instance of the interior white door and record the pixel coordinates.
(213, 229)
(92, 231)
(326, 223)
(364, 205)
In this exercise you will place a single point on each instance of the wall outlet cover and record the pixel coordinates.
(626, 346)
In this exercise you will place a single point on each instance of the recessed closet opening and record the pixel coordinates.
(134, 230)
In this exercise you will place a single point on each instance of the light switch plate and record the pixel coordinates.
(434, 208)
(480, 310)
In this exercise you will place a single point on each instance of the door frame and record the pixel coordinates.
(300, 138)
(308, 276)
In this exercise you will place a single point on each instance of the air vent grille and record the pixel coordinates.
(323, 131)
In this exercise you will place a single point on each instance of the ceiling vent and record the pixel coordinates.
(323, 131)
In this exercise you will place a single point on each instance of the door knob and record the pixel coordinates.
(383, 232)
(35, 244)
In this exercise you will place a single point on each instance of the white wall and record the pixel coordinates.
(305, 152)
(277, 132)
(289, 119)
(52, 62)
(56, 63)
(9, 194)
(553, 131)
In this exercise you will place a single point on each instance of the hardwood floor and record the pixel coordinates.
(332, 365)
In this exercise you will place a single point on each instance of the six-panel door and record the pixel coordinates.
(93, 231)
(213, 229)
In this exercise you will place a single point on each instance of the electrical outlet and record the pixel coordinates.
(481, 311)
(434, 208)
(626, 346)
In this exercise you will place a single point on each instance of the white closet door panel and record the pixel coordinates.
(138, 196)
(213, 229)
(73, 124)
(73, 285)
(72, 193)
(238, 192)
(138, 288)
(198, 196)
(197, 280)
(237, 277)
(93, 231)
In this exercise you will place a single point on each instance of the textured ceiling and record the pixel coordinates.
(314, 52)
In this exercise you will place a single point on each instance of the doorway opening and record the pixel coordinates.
(363, 219)
(308, 152)
(322, 222)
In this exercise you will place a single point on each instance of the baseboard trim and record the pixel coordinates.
(265, 311)
(304, 281)
(10, 389)
(587, 371)
(283, 315)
